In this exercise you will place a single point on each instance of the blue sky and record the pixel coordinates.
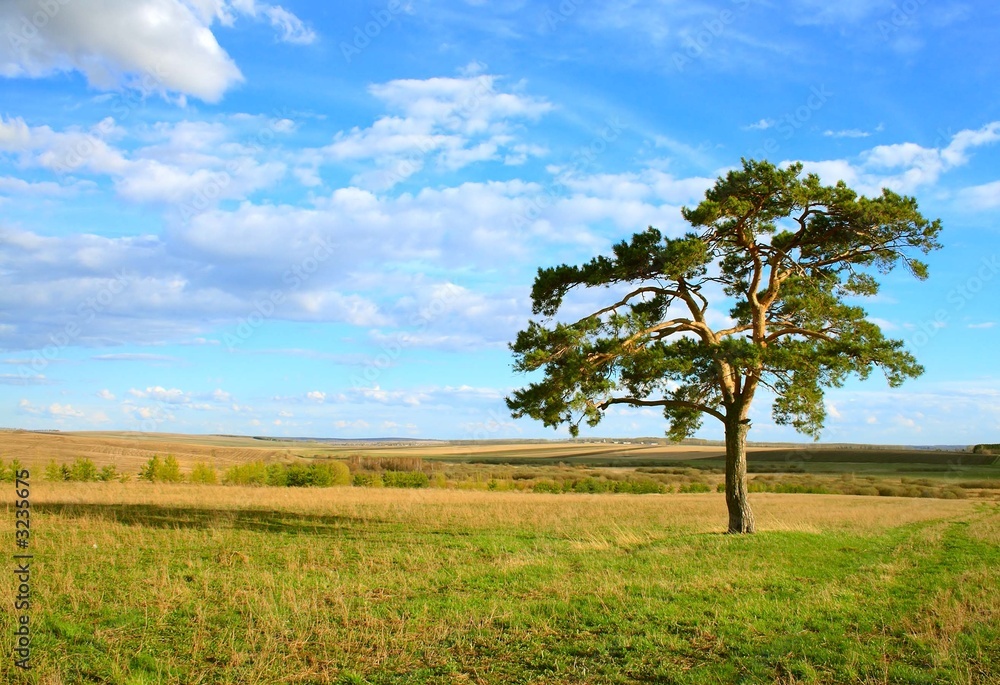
(228, 216)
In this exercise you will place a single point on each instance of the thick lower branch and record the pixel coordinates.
(680, 404)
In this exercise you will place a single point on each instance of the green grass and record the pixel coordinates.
(390, 586)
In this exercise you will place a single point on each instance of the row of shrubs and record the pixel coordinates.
(335, 473)
(849, 487)
(317, 474)
(83, 470)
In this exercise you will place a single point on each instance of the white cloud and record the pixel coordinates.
(404, 397)
(106, 394)
(20, 188)
(846, 133)
(133, 357)
(14, 134)
(153, 45)
(356, 424)
(985, 196)
(316, 395)
(162, 42)
(905, 167)
(452, 121)
(291, 27)
(213, 270)
(838, 13)
(53, 411)
(191, 165)
(984, 324)
(161, 394)
(832, 411)
(761, 125)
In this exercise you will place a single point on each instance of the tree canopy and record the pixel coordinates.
(788, 256)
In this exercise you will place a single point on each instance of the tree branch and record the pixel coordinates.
(680, 404)
(794, 330)
(638, 291)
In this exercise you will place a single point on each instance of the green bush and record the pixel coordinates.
(405, 479)
(166, 471)
(641, 487)
(83, 470)
(8, 474)
(589, 485)
(297, 475)
(549, 486)
(108, 473)
(696, 486)
(150, 469)
(328, 474)
(171, 471)
(54, 472)
(277, 475)
(317, 474)
(203, 473)
(251, 473)
(368, 480)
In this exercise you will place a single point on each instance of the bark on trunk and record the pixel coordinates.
(740, 515)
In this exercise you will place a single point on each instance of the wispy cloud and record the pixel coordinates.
(134, 357)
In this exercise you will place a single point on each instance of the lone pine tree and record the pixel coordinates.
(787, 255)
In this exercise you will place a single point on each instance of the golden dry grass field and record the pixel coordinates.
(180, 583)
(479, 576)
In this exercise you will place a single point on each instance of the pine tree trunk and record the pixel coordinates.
(740, 515)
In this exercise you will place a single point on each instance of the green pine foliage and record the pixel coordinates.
(791, 257)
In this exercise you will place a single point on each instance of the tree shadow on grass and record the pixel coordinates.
(262, 520)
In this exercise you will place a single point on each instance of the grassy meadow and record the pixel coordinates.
(480, 577)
